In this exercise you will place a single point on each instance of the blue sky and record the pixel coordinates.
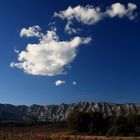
(103, 57)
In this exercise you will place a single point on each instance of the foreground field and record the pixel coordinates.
(43, 133)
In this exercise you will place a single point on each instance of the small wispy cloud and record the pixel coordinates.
(16, 51)
(69, 29)
(90, 15)
(60, 82)
(74, 83)
(31, 31)
(85, 15)
(121, 11)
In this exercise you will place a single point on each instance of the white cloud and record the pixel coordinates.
(74, 83)
(31, 31)
(60, 82)
(50, 56)
(87, 15)
(69, 29)
(120, 10)
(90, 15)
(16, 51)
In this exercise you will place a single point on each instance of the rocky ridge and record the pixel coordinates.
(62, 111)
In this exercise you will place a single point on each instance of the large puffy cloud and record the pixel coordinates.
(59, 82)
(50, 56)
(90, 15)
(120, 10)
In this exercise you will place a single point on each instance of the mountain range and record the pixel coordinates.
(60, 112)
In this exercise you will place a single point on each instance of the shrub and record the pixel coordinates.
(79, 121)
(98, 124)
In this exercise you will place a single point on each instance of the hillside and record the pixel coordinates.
(61, 112)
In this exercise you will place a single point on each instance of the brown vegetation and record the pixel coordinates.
(79, 126)
(43, 133)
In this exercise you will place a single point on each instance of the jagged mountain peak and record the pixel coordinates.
(62, 111)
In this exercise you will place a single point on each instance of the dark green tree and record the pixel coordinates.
(80, 121)
(99, 123)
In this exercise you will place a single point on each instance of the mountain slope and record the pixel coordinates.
(61, 112)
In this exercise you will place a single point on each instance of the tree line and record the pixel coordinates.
(99, 124)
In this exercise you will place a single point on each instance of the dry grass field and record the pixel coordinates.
(43, 133)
